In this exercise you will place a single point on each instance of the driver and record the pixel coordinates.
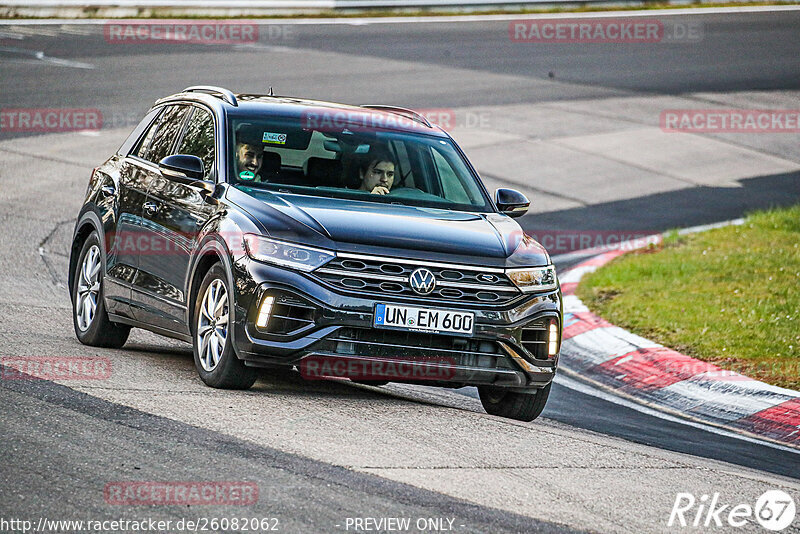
(376, 172)
(249, 156)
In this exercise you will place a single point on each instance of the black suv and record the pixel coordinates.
(351, 242)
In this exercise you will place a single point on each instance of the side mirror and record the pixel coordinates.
(185, 169)
(511, 202)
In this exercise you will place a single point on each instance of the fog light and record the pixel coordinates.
(552, 338)
(264, 311)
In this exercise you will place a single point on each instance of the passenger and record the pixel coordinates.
(249, 156)
(377, 172)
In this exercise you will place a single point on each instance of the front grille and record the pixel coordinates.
(385, 276)
(396, 345)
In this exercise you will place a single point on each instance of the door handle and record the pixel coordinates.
(150, 207)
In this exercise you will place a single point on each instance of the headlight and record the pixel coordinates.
(297, 257)
(534, 278)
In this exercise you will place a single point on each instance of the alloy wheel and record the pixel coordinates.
(212, 325)
(88, 288)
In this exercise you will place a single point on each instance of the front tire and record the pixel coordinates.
(89, 317)
(512, 404)
(214, 356)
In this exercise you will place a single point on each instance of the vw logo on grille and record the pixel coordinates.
(488, 278)
(422, 281)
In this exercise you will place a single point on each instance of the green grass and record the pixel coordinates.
(729, 296)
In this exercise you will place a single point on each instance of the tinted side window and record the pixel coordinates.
(199, 140)
(453, 188)
(451, 185)
(168, 129)
(141, 149)
(405, 176)
(143, 125)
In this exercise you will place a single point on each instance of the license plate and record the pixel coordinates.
(424, 319)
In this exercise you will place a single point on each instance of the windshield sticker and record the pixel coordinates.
(247, 175)
(362, 149)
(274, 138)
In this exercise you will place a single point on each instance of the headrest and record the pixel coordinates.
(324, 172)
(271, 164)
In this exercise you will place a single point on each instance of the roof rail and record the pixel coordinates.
(410, 113)
(223, 93)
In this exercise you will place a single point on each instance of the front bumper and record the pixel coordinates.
(324, 331)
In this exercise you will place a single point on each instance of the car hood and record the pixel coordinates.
(367, 227)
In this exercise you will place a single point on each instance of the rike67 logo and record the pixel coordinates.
(774, 510)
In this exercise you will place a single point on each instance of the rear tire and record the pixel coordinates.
(214, 357)
(512, 404)
(89, 317)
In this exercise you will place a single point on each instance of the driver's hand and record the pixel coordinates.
(380, 190)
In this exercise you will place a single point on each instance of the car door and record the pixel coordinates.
(147, 291)
(129, 193)
(175, 216)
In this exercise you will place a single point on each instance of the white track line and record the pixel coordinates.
(712, 226)
(23, 54)
(442, 19)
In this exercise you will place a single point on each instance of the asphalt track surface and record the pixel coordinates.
(754, 51)
(60, 445)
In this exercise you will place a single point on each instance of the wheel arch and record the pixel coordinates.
(211, 252)
(87, 223)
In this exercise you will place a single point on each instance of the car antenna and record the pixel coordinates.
(270, 91)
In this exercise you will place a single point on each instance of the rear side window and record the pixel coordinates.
(144, 144)
(199, 140)
(143, 125)
(158, 145)
(404, 173)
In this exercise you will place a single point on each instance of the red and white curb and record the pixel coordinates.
(657, 376)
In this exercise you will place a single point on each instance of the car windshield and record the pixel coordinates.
(341, 159)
